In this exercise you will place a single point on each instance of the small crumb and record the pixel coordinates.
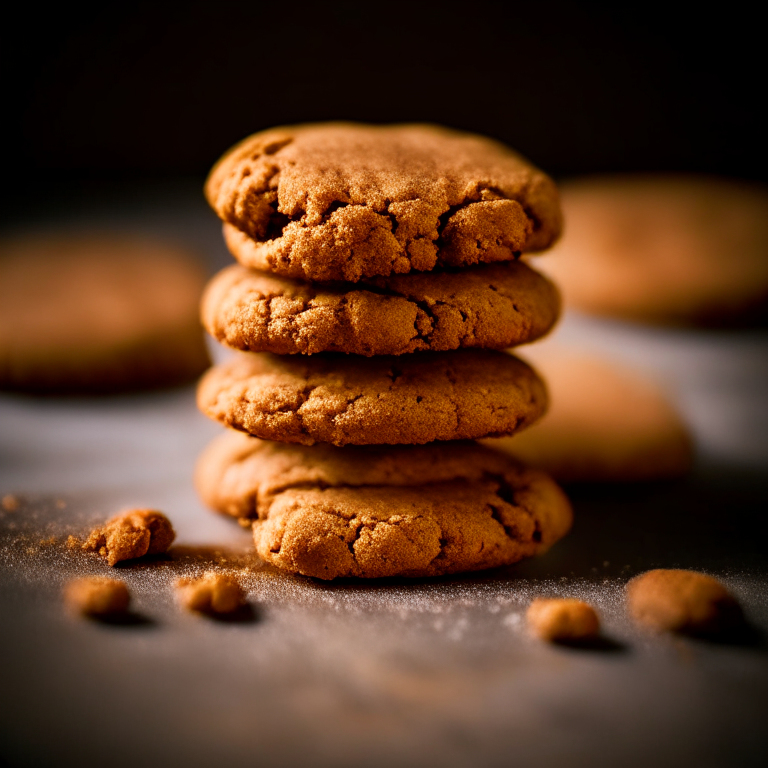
(245, 522)
(132, 534)
(10, 503)
(73, 542)
(49, 542)
(562, 620)
(683, 601)
(97, 596)
(211, 593)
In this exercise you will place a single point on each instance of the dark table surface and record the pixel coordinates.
(397, 672)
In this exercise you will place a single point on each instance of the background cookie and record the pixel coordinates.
(343, 201)
(343, 399)
(489, 306)
(84, 313)
(604, 423)
(664, 249)
(383, 511)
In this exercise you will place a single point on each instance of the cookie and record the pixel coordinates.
(379, 511)
(604, 423)
(98, 313)
(489, 306)
(664, 249)
(562, 620)
(345, 201)
(675, 600)
(343, 399)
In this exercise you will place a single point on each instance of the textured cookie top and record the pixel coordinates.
(83, 312)
(342, 399)
(343, 201)
(665, 249)
(490, 306)
(383, 511)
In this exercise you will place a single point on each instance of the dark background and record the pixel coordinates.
(132, 93)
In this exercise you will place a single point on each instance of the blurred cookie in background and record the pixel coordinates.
(85, 313)
(683, 250)
(605, 423)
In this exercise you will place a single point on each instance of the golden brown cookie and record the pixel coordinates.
(683, 601)
(604, 423)
(664, 249)
(86, 312)
(343, 399)
(345, 201)
(562, 620)
(379, 511)
(490, 306)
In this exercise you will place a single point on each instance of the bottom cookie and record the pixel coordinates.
(377, 511)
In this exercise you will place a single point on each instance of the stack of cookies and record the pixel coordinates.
(377, 283)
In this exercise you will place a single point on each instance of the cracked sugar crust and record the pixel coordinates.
(378, 511)
(345, 201)
(342, 399)
(491, 306)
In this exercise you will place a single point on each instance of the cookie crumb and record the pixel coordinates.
(73, 542)
(132, 534)
(683, 601)
(10, 503)
(97, 596)
(211, 593)
(562, 620)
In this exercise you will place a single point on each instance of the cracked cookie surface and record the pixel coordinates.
(378, 511)
(345, 201)
(344, 399)
(491, 306)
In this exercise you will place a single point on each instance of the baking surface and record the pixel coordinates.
(388, 673)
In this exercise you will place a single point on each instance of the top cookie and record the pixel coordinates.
(343, 201)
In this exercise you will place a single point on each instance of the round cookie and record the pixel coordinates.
(343, 399)
(345, 201)
(490, 306)
(664, 249)
(98, 313)
(604, 423)
(378, 511)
